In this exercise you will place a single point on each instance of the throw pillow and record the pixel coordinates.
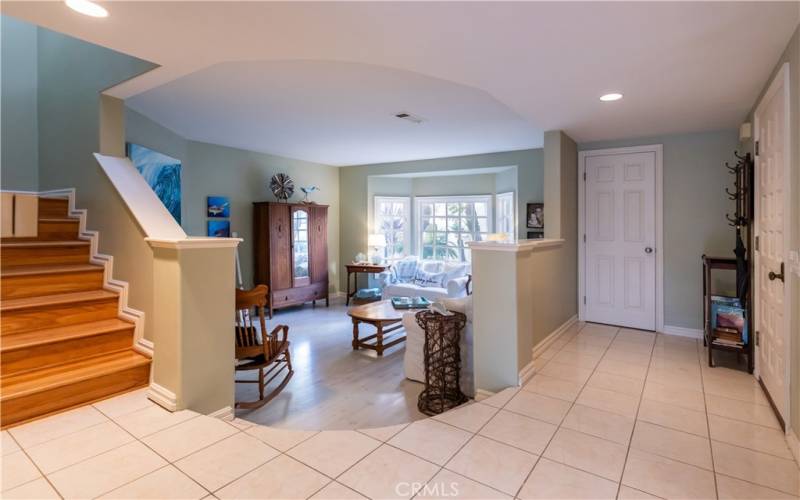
(426, 279)
(404, 270)
(453, 271)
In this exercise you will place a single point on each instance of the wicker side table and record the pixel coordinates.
(442, 362)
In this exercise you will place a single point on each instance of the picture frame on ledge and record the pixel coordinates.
(218, 207)
(219, 228)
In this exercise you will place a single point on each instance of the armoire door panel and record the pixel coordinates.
(319, 244)
(280, 246)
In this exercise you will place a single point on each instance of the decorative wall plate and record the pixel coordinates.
(282, 186)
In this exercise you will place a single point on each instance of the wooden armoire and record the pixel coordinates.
(291, 252)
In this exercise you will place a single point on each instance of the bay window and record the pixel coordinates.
(446, 224)
(392, 216)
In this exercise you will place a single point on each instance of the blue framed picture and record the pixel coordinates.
(162, 173)
(219, 228)
(218, 206)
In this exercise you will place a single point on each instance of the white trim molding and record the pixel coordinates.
(529, 369)
(481, 394)
(794, 443)
(225, 413)
(162, 396)
(514, 246)
(694, 333)
(658, 149)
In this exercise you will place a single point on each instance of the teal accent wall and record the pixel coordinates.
(694, 213)
(356, 192)
(19, 154)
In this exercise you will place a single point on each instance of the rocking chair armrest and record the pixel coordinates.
(278, 328)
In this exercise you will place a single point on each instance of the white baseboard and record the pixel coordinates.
(682, 332)
(225, 413)
(528, 370)
(481, 394)
(162, 396)
(794, 444)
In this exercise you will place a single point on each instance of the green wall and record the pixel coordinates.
(210, 169)
(694, 214)
(19, 154)
(355, 181)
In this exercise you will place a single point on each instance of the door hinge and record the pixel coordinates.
(758, 337)
(756, 242)
(584, 238)
(584, 176)
(757, 143)
(584, 299)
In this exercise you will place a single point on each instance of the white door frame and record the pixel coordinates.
(781, 77)
(659, 247)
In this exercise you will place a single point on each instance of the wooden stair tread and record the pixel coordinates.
(24, 384)
(57, 299)
(28, 270)
(34, 244)
(25, 340)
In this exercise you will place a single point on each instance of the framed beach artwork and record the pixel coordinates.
(162, 173)
(218, 206)
(219, 228)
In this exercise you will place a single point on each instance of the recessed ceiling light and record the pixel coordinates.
(614, 96)
(87, 8)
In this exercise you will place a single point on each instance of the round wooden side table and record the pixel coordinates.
(442, 355)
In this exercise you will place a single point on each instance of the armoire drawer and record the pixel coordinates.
(299, 295)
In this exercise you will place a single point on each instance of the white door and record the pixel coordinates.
(771, 215)
(620, 230)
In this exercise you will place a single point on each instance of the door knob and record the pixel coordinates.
(648, 250)
(772, 276)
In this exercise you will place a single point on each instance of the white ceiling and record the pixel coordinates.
(520, 68)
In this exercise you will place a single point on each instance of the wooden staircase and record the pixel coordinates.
(62, 343)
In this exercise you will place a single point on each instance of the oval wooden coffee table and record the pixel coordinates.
(378, 314)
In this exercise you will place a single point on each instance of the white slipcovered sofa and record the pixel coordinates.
(432, 279)
(414, 359)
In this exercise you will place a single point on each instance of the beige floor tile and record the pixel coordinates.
(58, 453)
(567, 372)
(480, 460)
(599, 423)
(337, 491)
(180, 440)
(614, 402)
(616, 383)
(667, 478)
(229, 459)
(501, 398)
(549, 352)
(592, 339)
(633, 358)
(688, 366)
(282, 477)
(741, 410)
(743, 390)
(580, 359)
(674, 417)
(553, 387)
(431, 440)
(470, 417)
(388, 473)
(635, 347)
(448, 484)
(39, 431)
(537, 406)
(8, 444)
(551, 480)
(107, 471)
(675, 377)
(383, 433)
(240, 423)
(125, 403)
(754, 437)
(165, 483)
(582, 346)
(520, 431)
(38, 489)
(638, 336)
(628, 493)
(692, 400)
(17, 470)
(588, 453)
(610, 365)
(333, 452)
(280, 439)
(677, 445)
(730, 488)
(152, 419)
(760, 468)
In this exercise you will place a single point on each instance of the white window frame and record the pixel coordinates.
(499, 215)
(419, 200)
(406, 201)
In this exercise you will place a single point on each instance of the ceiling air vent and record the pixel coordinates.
(409, 117)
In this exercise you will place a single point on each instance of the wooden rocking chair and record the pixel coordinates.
(255, 349)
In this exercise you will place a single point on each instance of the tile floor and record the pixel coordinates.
(610, 413)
